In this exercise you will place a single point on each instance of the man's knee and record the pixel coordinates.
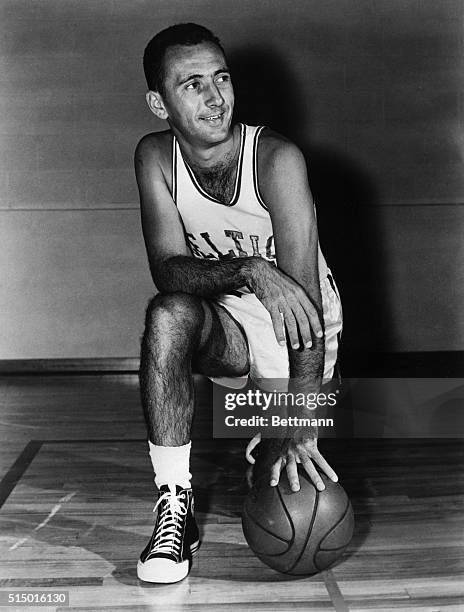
(177, 312)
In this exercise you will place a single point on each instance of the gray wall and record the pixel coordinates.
(371, 90)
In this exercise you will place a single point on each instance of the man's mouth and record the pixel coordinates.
(213, 118)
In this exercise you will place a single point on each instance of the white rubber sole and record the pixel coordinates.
(164, 571)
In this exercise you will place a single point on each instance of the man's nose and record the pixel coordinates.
(213, 96)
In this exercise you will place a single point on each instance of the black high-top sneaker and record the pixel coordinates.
(168, 554)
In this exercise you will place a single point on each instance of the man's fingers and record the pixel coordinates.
(298, 313)
(278, 324)
(292, 473)
(290, 324)
(313, 317)
(251, 445)
(275, 471)
(303, 324)
(313, 473)
(325, 467)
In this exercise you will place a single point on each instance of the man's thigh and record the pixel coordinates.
(223, 348)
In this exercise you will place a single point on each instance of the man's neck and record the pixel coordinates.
(209, 156)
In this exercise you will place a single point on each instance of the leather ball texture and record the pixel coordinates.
(298, 533)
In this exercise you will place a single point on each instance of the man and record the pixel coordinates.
(231, 237)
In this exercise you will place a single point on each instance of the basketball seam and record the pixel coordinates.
(271, 534)
(308, 534)
(319, 549)
(335, 526)
(288, 542)
(289, 519)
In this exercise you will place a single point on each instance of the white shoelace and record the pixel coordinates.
(168, 538)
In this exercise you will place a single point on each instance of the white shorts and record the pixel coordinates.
(268, 359)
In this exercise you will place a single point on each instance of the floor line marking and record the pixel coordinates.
(17, 470)
(335, 594)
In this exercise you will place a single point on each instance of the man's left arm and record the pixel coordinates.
(285, 189)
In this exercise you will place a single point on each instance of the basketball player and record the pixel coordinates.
(231, 237)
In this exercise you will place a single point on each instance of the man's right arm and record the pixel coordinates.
(172, 266)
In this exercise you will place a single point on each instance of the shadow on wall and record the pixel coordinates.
(349, 225)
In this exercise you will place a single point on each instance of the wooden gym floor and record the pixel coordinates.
(76, 500)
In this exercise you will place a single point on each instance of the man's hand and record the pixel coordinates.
(287, 303)
(301, 450)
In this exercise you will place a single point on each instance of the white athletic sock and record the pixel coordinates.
(171, 464)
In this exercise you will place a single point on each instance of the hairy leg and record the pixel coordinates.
(183, 334)
(224, 349)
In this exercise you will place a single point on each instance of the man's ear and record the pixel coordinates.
(156, 104)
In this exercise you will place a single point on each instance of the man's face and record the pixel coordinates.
(199, 97)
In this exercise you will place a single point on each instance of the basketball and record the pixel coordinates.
(298, 533)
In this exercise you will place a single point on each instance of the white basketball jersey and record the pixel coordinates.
(217, 231)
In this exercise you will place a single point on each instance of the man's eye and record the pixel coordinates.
(223, 78)
(193, 85)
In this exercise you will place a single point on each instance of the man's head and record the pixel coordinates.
(189, 83)
(184, 34)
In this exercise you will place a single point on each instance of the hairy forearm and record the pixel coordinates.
(307, 365)
(306, 370)
(204, 277)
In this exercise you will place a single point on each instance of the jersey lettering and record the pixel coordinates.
(196, 251)
(236, 237)
(208, 240)
(269, 243)
(255, 245)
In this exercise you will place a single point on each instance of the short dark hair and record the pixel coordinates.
(155, 51)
